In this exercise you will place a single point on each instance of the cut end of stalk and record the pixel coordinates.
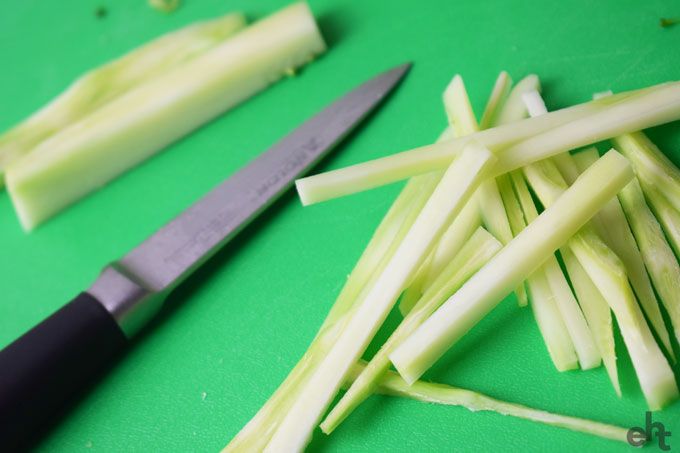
(301, 186)
(402, 365)
(534, 103)
(23, 208)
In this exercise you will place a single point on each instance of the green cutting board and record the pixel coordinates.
(230, 335)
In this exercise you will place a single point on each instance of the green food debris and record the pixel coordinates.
(165, 6)
(101, 12)
(666, 22)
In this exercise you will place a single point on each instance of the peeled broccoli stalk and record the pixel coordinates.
(515, 145)
(499, 93)
(608, 274)
(662, 265)
(392, 384)
(612, 226)
(597, 313)
(476, 252)
(651, 165)
(519, 259)
(560, 294)
(660, 181)
(462, 121)
(668, 216)
(548, 318)
(453, 191)
(145, 119)
(462, 118)
(552, 287)
(255, 435)
(105, 83)
(448, 246)
(610, 223)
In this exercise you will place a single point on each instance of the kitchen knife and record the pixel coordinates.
(51, 363)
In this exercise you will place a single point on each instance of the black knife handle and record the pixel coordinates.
(47, 366)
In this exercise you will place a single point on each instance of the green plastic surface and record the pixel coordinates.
(231, 334)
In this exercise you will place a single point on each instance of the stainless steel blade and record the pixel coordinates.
(132, 288)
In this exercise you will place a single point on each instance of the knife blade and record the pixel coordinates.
(48, 365)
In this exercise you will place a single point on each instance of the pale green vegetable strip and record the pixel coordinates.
(668, 216)
(659, 179)
(387, 237)
(429, 392)
(519, 259)
(453, 191)
(499, 93)
(597, 313)
(476, 252)
(661, 262)
(612, 226)
(512, 204)
(560, 293)
(462, 122)
(651, 165)
(102, 84)
(145, 119)
(453, 240)
(514, 109)
(461, 229)
(516, 144)
(535, 106)
(389, 234)
(164, 6)
(653, 371)
(256, 433)
(449, 245)
(415, 288)
(584, 342)
(458, 108)
(608, 274)
(461, 116)
(548, 318)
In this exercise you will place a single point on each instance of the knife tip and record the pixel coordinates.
(404, 67)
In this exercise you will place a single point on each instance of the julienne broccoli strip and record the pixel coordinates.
(144, 119)
(516, 145)
(461, 122)
(523, 255)
(608, 274)
(407, 243)
(476, 252)
(662, 265)
(548, 318)
(659, 259)
(101, 85)
(389, 234)
(459, 110)
(392, 384)
(550, 285)
(499, 93)
(455, 188)
(660, 181)
(613, 228)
